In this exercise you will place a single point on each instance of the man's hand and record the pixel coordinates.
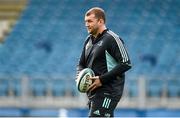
(97, 83)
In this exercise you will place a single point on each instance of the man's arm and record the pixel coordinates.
(119, 53)
(81, 63)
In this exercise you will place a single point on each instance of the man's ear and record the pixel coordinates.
(101, 21)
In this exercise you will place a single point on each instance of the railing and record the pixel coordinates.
(57, 92)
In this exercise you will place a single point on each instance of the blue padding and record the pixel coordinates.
(9, 112)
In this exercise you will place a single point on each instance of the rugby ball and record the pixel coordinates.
(82, 82)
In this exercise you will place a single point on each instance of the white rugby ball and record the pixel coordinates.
(82, 82)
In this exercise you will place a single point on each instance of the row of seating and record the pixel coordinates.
(37, 87)
(60, 87)
(155, 88)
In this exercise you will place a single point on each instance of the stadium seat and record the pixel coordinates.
(173, 88)
(4, 87)
(155, 87)
(38, 87)
(16, 87)
(132, 86)
(58, 87)
(72, 89)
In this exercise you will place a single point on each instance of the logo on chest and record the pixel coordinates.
(100, 43)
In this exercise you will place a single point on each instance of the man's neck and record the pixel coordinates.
(100, 31)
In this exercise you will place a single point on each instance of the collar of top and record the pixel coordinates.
(94, 40)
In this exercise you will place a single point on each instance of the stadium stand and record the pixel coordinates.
(45, 43)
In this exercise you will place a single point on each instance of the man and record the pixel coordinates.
(105, 54)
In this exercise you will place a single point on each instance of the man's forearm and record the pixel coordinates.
(116, 71)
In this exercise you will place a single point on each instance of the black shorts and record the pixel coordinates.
(102, 106)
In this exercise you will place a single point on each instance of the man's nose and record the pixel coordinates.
(86, 24)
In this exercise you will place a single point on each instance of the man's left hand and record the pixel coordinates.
(97, 83)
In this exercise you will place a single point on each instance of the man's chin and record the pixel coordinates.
(89, 32)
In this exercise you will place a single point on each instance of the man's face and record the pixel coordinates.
(92, 24)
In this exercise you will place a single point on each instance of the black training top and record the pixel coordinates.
(108, 58)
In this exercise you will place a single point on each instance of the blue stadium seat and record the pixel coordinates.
(4, 87)
(16, 87)
(58, 87)
(72, 87)
(155, 87)
(38, 87)
(173, 88)
(132, 87)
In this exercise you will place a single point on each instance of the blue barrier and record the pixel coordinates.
(48, 112)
